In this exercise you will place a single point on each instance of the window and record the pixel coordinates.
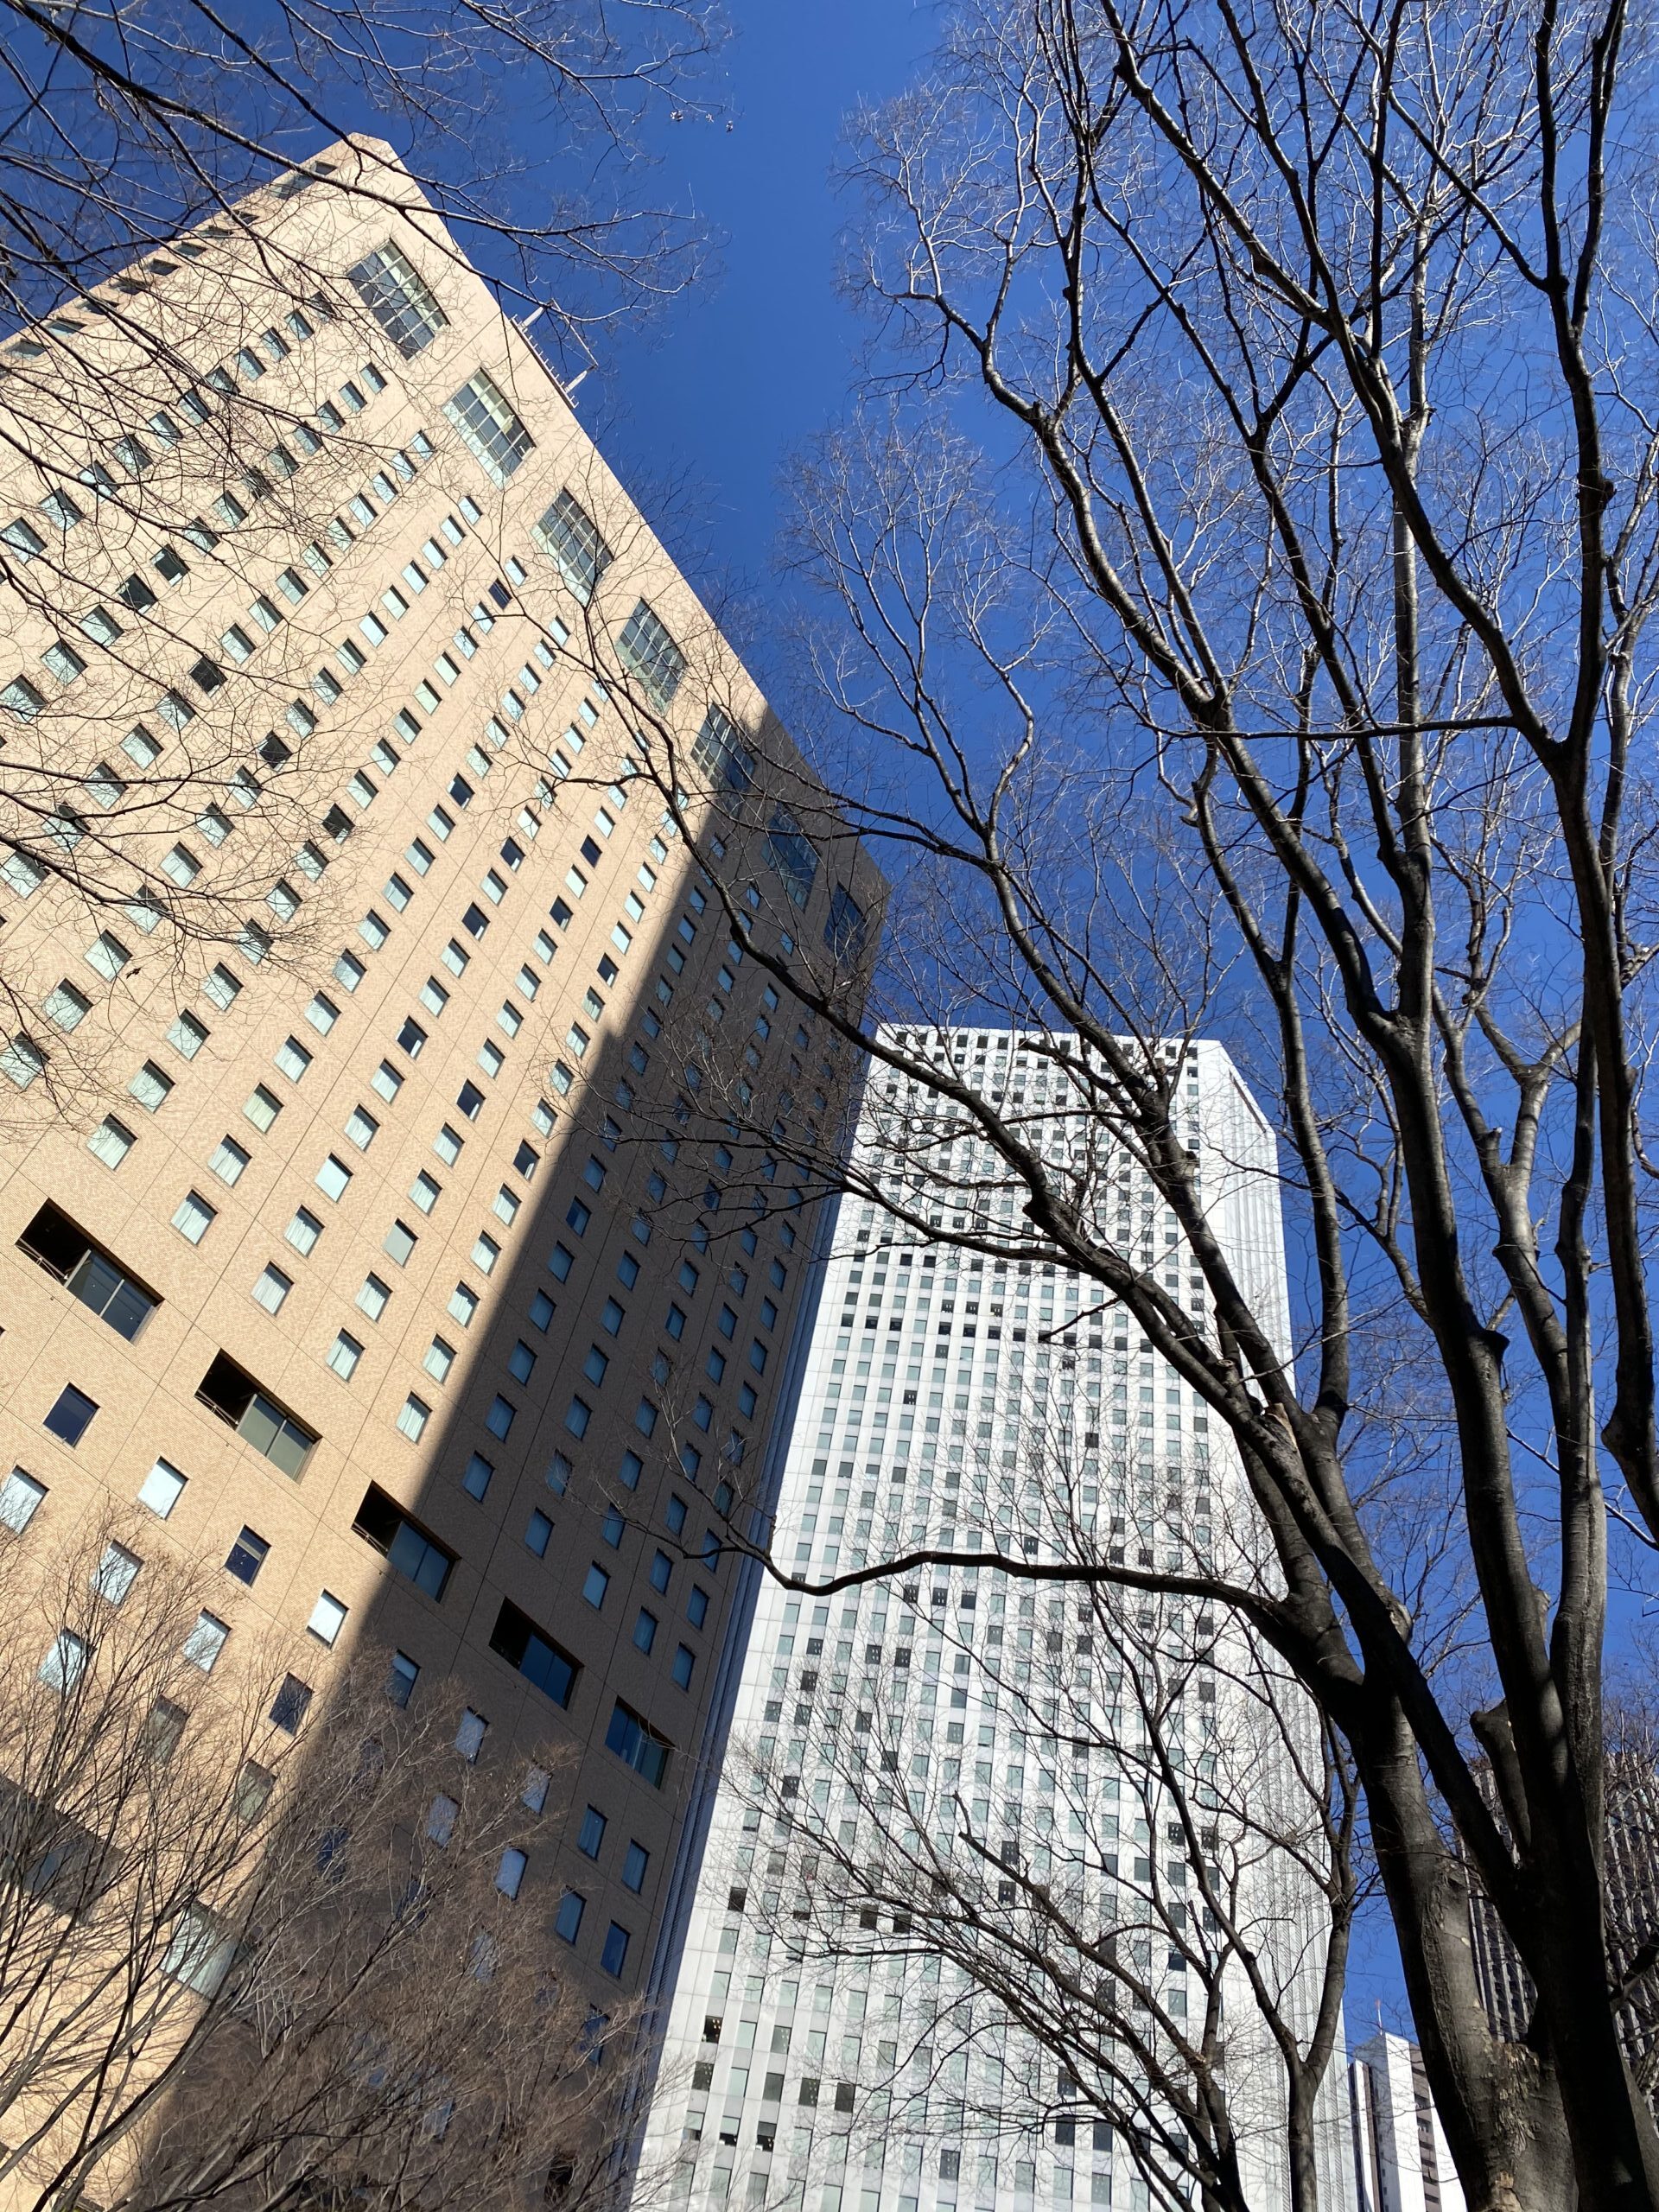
(728, 765)
(344, 1355)
(596, 1586)
(291, 1703)
(463, 1304)
(262, 1108)
(398, 1243)
(846, 928)
(373, 1296)
(488, 427)
(248, 1555)
(303, 1232)
(66, 1006)
(399, 300)
(86, 1271)
(412, 1419)
(577, 1418)
(569, 534)
(231, 1393)
(22, 699)
(332, 1177)
(646, 650)
(64, 1662)
(637, 1744)
(510, 1871)
(187, 1035)
(539, 1533)
(469, 1737)
(110, 1141)
(633, 1867)
(594, 1825)
(644, 1630)
(485, 1253)
(517, 1639)
(614, 1955)
(476, 1476)
(361, 1128)
(292, 1058)
(402, 1677)
(685, 1662)
(413, 1551)
(206, 1641)
(328, 1618)
(20, 1500)
(271, 1289)
(160, 1490)
(150, 1087)
(70, 1416)
(792, 855)
(500, 1419)
(567, 1921)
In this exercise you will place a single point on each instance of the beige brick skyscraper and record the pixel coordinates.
(388, 1279)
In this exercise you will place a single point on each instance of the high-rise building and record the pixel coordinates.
(391, 1273)
(1632, 1879)
(845, 2035)
(1402, 2163)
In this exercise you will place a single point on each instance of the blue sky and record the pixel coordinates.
(719, 392)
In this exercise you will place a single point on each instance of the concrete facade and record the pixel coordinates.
(956, 1400)
(402, 1140)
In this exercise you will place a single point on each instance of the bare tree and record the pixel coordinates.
(1281, 674)
(260, 1957)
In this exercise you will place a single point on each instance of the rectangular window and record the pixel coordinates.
(518, 1640)
(727, 763)
(160, 1490)
(231, 1393)
(193, 1218)
(637, 1744)
(150, 1087)
(110, 1141)
(413, 1551)
(488, 427)
(792, 855)
(20, 1499)
(646, 650)
(614, 1955)
(87, 1272)
(398, 298)
(569, 534)
(206, 1641)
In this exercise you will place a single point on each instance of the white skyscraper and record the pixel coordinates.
(1402, 2162)
(937, 1775)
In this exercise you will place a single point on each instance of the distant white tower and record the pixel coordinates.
(1400, 2160)
(944, 1389)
